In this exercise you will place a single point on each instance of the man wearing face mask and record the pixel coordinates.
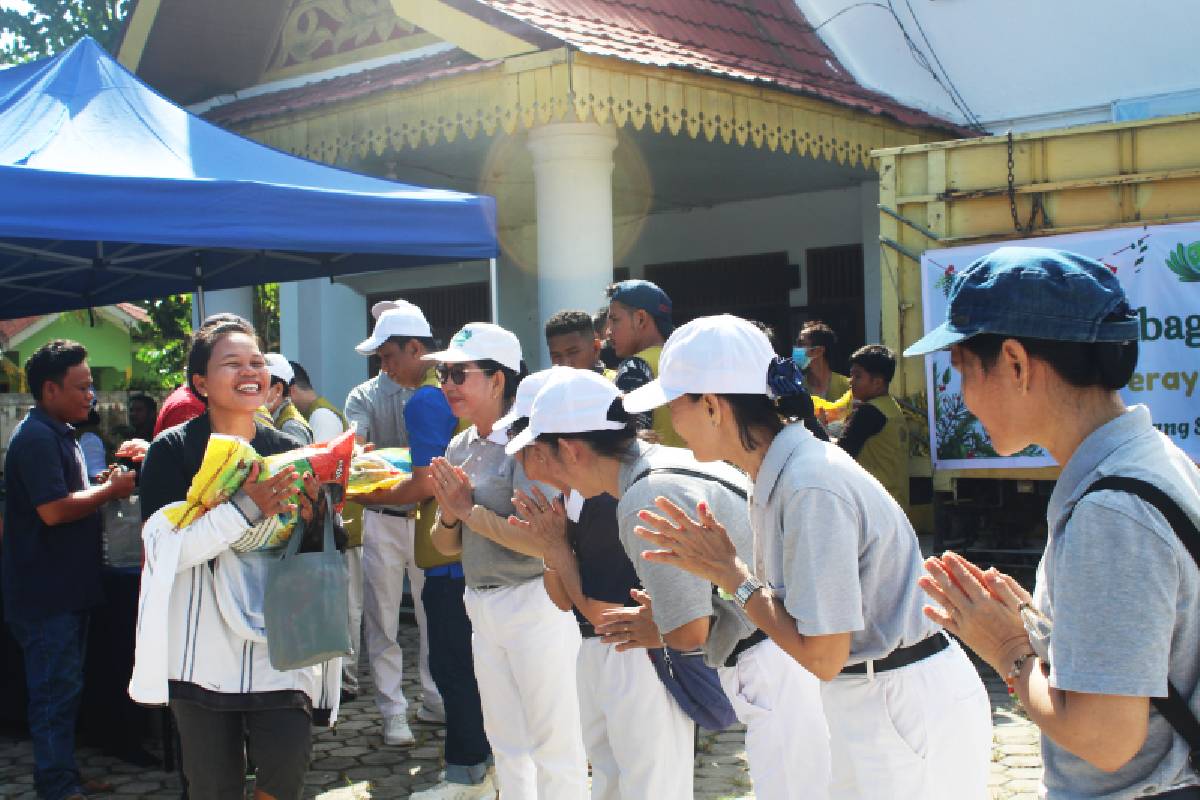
(811, 353)
(284, 414)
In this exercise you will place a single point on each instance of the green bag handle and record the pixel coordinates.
(293, 542)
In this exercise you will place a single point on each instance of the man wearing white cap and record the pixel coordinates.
(284, 414)
(400, 338)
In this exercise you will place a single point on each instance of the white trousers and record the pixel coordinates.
(524, 650)
(354, 567)
(638, 740)
(387, 555)
(921, 731)
(787, 738)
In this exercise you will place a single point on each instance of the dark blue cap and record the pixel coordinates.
(1037, 293)
(648, 297)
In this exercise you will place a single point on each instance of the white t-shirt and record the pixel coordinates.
(325, 425)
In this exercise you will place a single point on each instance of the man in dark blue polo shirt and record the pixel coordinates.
(50, 558)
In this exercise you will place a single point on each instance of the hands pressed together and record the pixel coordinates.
(544, 523)
(983, 609)
(452, 490)
(700, 546)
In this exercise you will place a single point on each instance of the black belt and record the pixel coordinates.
(1182, 793)
(743, 646)
(392, 512)
(903, 656)
(587, 631)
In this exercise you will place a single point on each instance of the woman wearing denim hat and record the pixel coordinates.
(523, 646)
(1043, 340)
(833, 576)
(578, 430)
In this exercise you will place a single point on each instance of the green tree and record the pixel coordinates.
(45, 27)
(162, 343)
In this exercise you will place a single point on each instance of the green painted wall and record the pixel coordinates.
(110, 350)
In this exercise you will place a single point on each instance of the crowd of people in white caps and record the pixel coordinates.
(656, 533)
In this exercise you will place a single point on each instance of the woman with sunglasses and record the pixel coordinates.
(834, 570)
(201, 645)
(1104, 655)
(579, 431)
(524, 647)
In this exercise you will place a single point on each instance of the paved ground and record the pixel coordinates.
(351, 763)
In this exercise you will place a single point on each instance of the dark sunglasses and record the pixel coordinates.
(456, 373)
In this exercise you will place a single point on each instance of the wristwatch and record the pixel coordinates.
(743, 593)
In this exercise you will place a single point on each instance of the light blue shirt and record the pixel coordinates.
(1123, 596)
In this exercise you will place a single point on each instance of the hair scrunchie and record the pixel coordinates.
(784, 378)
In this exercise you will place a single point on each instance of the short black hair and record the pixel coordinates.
(818, 334)
(1083, 365)
(877, 360)
(429, 342)
(301, 378)
(205, 339)
(147, 401)
(51, 362)
(287, 387)
(600, 320)
(565, 322)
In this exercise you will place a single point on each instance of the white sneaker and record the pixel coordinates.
(458, 791)
(434, 716)
(396, 731)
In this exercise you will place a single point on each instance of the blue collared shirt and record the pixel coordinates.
(46, 569)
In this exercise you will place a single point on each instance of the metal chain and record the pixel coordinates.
(1036, 204)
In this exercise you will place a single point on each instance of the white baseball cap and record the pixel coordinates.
(523, 402)
(279, 367)
(385, 305)
(718, 355)
(401, 319)
(481, 341)
(572, 401)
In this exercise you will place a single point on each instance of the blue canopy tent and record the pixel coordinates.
(109, 192)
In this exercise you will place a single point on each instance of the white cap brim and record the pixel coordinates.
(368, 346)
(450, 356)
(520, 441)
(507, 420)
(644, 398)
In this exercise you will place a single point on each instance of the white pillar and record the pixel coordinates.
(230, 301)
(872, 274)
(572, 169)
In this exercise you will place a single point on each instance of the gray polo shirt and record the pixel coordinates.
(836, 548)
(377, 408)
(1123, 596)
(494, 477)
(680, 597)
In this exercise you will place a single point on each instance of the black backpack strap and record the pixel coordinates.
(693, 473)
(1174, 707)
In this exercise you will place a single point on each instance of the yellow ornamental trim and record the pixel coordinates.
(533, 90)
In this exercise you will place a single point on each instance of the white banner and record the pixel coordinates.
(1159, 268)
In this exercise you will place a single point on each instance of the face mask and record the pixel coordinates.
(801, 357)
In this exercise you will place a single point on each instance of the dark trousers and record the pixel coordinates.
(454, 673)
(54, 650)
(214, 745)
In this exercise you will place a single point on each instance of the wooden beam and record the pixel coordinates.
(137, 33)
(461, 29)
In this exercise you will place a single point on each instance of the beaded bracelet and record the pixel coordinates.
(1010, 680)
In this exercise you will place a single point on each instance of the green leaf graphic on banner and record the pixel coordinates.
(1185, 262)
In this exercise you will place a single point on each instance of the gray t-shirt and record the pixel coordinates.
(376, 407)
(494, 477)
(1123, 596)
(836, 548)
(680, 597)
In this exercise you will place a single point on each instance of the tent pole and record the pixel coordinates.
(494, 291)
(198, 299)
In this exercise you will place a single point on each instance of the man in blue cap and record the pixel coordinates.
(639, 322)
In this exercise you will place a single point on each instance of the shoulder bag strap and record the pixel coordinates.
(1174, 707)
(693, 473)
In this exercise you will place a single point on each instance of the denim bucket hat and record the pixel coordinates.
(1034, 292)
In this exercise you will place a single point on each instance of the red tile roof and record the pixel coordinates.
(750, 40)
(348, 87)
(766, 41)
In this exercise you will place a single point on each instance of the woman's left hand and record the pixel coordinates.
(452, 488)
(701, 547)
(983, 609)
